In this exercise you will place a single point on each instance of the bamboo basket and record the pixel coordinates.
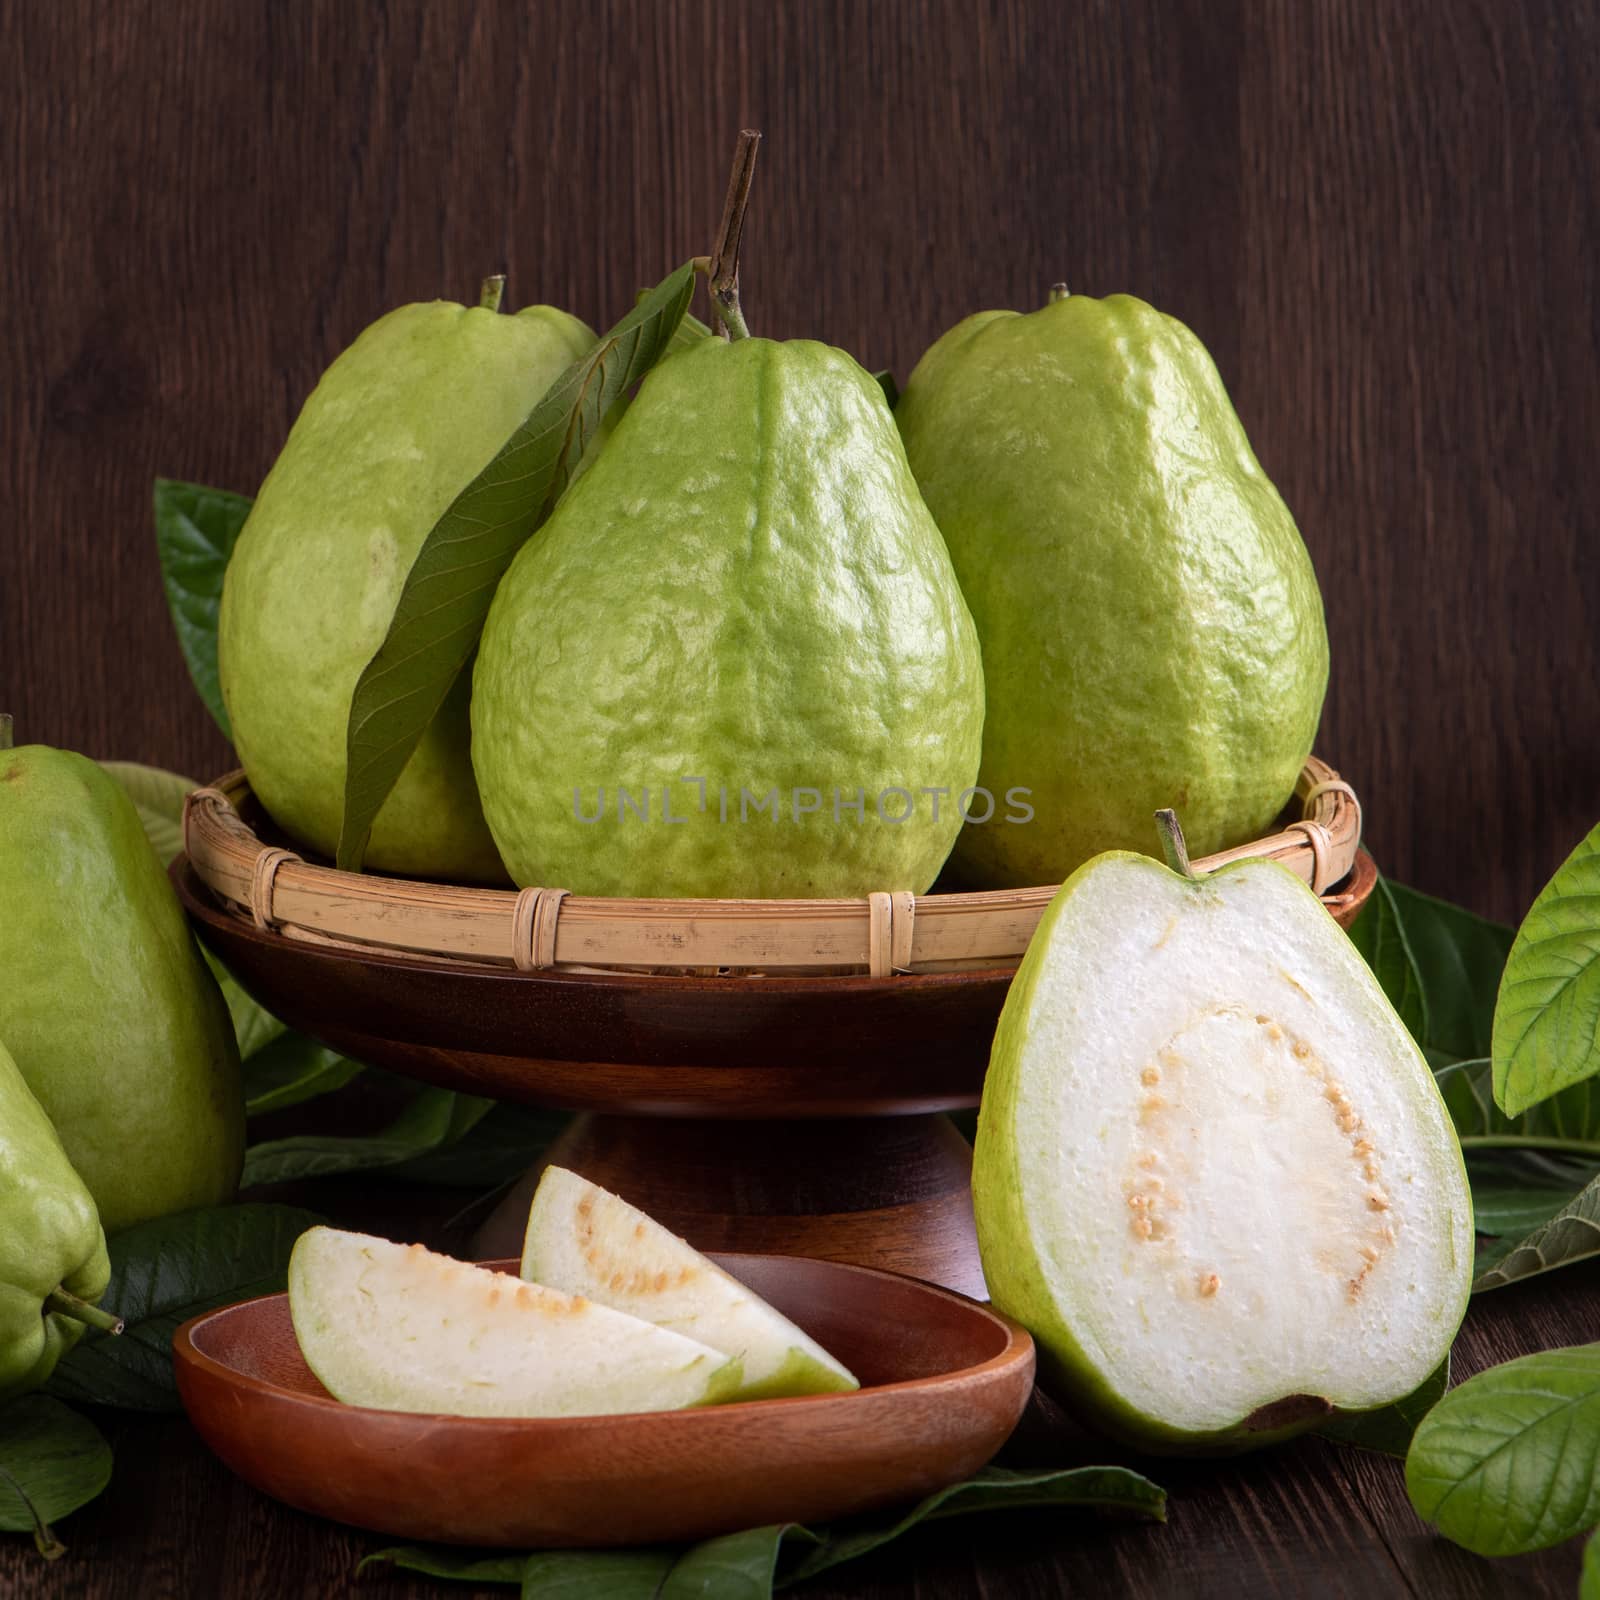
(540, 929)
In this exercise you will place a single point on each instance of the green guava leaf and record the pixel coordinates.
(446, 596)
(1547, 1017)
(546, 1574)
(1389, 1429)
(52, 1461)
(738, 1566)
(1514, 1194)
(1510, 1461)
(499, 1147)
(446, 1561)
(435, 1118)
(1571, 1234)
(253, 1025)
(292, 1069)
(1525, 1171)
(751, 1564)
(599, 1575)
(1460, 957)
(993, 1489)
(1468, 1093)
(158, 798)
(162, 1273)
(1571, 1116)
(196, 530)
(1379, 933)
(691, 331)
(1438, 964)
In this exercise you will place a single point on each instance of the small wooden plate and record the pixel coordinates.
(944, 1381)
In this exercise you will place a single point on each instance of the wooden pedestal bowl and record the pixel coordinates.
(776, 1113)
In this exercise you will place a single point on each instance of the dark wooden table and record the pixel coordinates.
(1309, 1519)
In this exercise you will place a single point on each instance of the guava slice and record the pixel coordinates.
(398, 1327)
(1213, 1174)
(584, 1240)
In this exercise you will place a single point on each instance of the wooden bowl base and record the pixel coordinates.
(890, 1192)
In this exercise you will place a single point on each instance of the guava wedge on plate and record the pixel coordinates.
(584, 1240)
(398, 1327)
(1213, 1175)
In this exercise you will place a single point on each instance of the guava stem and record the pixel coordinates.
(490, 291)
(731, 316)
(65, 1304)
(1172, 845)
(1059, 291)
(1530, 1141)
(724, 269)
(6, 730)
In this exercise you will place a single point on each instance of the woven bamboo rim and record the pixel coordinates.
(541, 929)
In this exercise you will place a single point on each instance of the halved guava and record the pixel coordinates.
(584, 1240)
(398, 1327)
(1212, 1173)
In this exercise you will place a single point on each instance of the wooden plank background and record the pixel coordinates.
(1379, 216)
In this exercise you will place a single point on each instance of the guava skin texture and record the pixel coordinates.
(744, 590)
(1023, 1261)
(400, 423)
(51, 1239)
(110, 1012)
(1151, 626)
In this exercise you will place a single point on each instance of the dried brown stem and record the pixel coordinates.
(724, 270)
(1172, 845)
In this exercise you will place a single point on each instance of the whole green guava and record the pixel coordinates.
(400, 423)
(52, 1247)
(735, 661)
(111, 1015)
(1151, 626)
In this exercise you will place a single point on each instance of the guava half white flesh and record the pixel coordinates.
(398, 1327)
(1234, 1175)
(583, 1239)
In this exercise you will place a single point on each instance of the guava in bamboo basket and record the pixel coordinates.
(1151, 625)
(735, 661)
(397, 423)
